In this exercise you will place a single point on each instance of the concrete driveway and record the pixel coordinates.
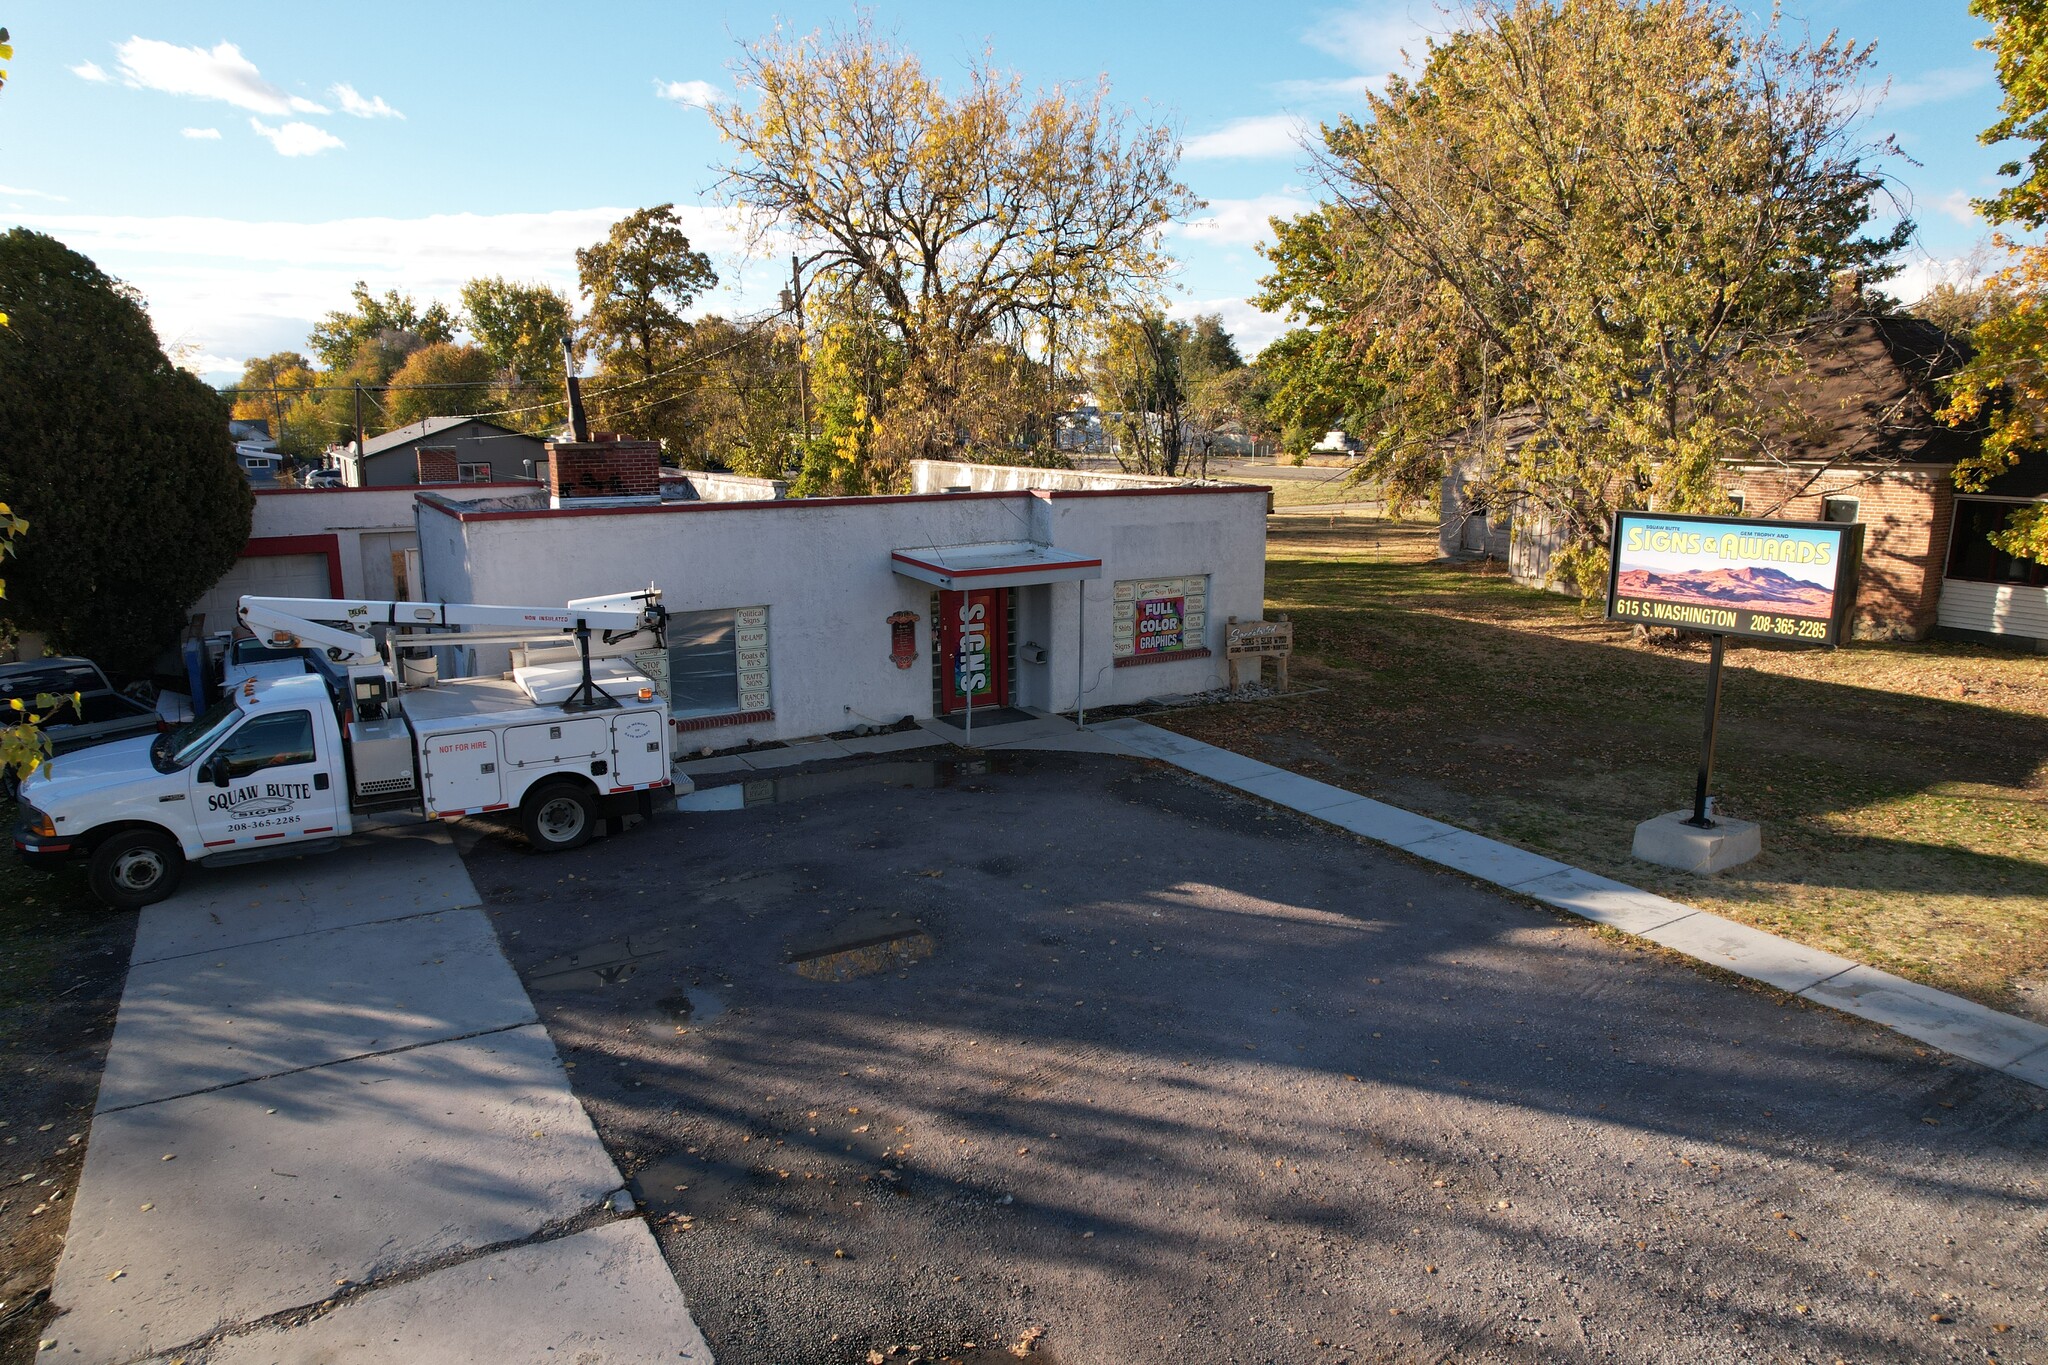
(1085, 1054)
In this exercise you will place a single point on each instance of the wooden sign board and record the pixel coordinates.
(1256, 641)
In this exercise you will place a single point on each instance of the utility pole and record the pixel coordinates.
(803, 398)
(359, 428)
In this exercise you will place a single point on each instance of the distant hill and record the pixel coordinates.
(1750, 589)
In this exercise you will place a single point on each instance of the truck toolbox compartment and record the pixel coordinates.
(462, 770)
(561, 741)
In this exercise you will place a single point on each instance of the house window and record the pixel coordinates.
(1840, 509)
(1739, 499)
(478, 472)
(1972, 556)
(1157, 617)
(718, 662)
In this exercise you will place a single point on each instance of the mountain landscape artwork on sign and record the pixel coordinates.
(1740, 576)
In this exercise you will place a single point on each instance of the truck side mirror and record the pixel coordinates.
(215, 771)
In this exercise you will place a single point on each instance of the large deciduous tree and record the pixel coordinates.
(970, 218)
(441, 380)
(520, 328)
(640, 282)
(1605, 215)
(2004, 387)
(119, 459)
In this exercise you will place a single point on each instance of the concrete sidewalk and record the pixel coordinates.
(1964, 1028)
(331, 1128)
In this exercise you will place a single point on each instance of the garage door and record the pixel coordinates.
(263, 576)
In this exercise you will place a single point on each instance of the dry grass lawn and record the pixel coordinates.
(1901, 787)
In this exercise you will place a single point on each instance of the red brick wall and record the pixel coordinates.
(604, 469)
(437, 466)
(1905, 515)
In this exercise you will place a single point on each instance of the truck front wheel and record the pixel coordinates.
(558, 817)
(132, 868)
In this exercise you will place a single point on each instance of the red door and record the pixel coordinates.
(975, 626)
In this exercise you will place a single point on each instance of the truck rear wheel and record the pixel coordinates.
(558, 817)
(132, 868)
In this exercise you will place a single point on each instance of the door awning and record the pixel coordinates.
(993, 564)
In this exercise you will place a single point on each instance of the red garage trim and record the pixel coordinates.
(260, 547)
(714, 722)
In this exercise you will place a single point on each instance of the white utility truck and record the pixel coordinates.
(289, 763)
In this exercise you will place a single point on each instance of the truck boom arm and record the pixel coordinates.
(342, 626)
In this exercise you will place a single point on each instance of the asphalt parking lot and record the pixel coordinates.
(1086, 1058)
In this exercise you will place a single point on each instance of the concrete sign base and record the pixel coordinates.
(1669, 841)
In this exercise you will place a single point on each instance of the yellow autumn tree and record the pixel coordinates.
(2004, 389)
(974, 217)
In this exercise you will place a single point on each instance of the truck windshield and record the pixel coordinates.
(178, 748)
(256, 652)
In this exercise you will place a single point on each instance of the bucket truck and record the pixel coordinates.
(290, 764)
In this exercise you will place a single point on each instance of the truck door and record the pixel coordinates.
(637, 755)
(267, 782)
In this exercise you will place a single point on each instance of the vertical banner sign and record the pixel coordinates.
(750, 655)
(1768, 580)
(973, 630)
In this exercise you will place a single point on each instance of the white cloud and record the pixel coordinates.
(221, 74)
(1373, 38)
(1328, 89)
(206, 362)
(296, 139)
(1935, 87)
(1264, 136)
(689, 94)
(201, 134)
(91, 71)
(16, 192)
(231, 286)
(1252, 329)
(1241, 222)
(353, 103)
(1957, 205)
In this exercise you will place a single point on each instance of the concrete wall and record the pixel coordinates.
(822, 568)
(703, 485)
(937, 476)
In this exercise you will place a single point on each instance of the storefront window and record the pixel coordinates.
(1160, 616)
(718, 661)
(1973, 557)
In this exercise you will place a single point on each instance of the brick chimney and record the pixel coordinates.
(608, 471)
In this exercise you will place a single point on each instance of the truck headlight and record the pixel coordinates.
(37, 823)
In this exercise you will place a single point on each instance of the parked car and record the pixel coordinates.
(99, 716)
(323, 478)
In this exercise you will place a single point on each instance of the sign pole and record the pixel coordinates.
(1700, 818)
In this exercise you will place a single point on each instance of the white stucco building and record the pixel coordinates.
(793, 618)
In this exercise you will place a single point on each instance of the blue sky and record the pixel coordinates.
(241, 163)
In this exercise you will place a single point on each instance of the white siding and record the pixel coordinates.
(1994, 608)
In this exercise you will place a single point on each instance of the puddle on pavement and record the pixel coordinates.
(862, 943)
(687, 1184)
(591, 968)
(869, 957)
(774, 791)
(691, 1006)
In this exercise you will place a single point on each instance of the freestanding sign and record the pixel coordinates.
(1767, 580)
(1793, 581)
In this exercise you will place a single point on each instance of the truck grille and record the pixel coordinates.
(384, 786)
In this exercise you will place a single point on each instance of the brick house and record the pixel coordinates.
(1866, 448)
